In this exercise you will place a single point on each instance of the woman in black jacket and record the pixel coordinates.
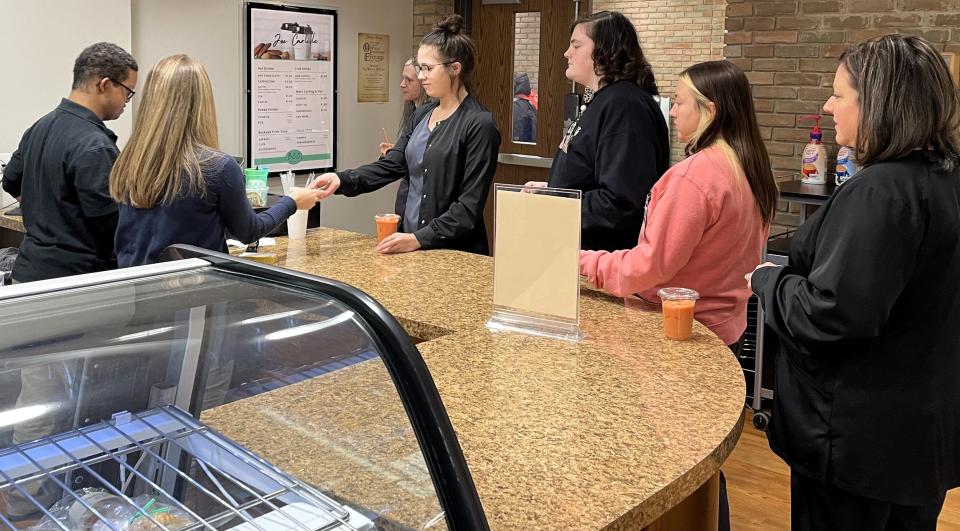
(446, 159)
(618, 147)
(866, 409)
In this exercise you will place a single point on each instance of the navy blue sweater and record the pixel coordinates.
(142, 233)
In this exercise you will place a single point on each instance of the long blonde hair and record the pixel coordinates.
(732, 127)
(706, 120)
(174, 136)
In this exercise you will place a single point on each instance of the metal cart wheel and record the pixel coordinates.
(760, 420)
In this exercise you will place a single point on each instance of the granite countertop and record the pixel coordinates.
(14, 223)
(606, 433)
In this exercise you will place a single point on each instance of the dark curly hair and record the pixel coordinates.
(100, 60)
(616, 50)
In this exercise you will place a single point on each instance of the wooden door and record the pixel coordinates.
(507, 44)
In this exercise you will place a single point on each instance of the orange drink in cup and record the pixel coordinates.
(386, 225)
(678, 305)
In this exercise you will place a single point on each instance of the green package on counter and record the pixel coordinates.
(256, 186)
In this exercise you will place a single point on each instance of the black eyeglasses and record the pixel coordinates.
(429, 68)
(130, 91)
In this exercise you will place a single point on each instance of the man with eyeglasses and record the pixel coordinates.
(60, 171)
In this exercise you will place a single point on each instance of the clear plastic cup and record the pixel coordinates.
(678, 305)
(386, 225)
(297, 225)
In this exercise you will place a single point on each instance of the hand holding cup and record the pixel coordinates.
(305, 198)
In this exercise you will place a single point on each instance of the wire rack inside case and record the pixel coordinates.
(176, 461)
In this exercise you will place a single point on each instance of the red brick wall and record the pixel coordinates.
(789, 50)
(526, 47)
(426, 13)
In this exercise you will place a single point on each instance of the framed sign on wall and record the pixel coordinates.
(291, 87)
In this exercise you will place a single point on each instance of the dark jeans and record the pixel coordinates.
(815, 506)
(724, 514)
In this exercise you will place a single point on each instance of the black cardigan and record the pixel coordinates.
(615, 153)
(868, 315)
(458, 167)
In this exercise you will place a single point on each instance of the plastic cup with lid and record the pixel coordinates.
(678, 307)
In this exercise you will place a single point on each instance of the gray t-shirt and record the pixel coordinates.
(414, 155)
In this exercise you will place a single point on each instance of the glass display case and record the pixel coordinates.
(207, 392)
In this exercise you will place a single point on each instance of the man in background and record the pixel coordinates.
(524, 110)
(60, 171)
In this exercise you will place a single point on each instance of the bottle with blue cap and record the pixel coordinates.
(846, 164)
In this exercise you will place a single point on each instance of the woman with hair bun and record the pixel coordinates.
(619, 146)
(445, 160)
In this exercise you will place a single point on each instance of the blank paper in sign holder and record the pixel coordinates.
(536, 250)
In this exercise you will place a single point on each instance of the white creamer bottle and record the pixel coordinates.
(814, 165)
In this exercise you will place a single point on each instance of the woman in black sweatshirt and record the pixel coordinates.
(619, 146)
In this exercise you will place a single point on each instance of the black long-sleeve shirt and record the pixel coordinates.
(868, 317)
(458, 167)
(61, 172)
(614, 153)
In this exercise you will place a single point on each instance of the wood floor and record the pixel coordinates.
(758, 484)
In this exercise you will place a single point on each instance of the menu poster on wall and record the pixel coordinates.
(291, 87)
(373, 50)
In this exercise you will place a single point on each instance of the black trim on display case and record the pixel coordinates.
(415, 386)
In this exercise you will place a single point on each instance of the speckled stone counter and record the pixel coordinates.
(14, 223)
(607, 433)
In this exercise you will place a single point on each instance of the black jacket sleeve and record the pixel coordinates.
(13, 175)
(104, 230)
(864, 255)
(482, 145)
(91, 178)
(389, 168)
(243, 222)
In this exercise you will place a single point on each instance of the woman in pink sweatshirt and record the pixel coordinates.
(708, 216)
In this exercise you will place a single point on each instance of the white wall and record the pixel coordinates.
(41, 39)
(212, 32)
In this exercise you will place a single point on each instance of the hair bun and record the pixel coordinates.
(451, 24)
